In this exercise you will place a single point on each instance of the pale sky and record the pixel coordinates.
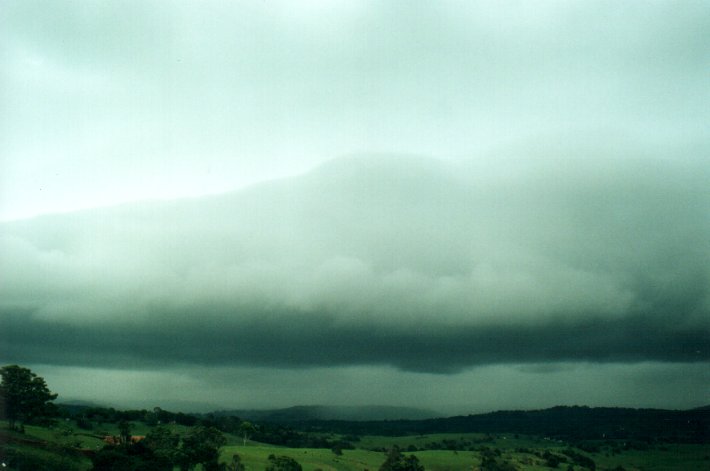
(106, 102)
(458, 205)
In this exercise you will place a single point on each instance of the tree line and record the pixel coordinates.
(568, 423)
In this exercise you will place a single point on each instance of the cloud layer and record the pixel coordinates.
(409, 262)
(563, 227)
(107, 103)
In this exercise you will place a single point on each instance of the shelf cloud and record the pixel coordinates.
(413, 263)
(480, 204)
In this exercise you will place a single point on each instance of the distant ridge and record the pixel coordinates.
(563, 422)
(340, 413)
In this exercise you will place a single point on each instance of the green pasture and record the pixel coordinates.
(462, 441)
(666, 458)
(256, 458)
(525, 453)
(659, 458)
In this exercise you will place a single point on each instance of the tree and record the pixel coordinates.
(24, 396)
(490, 461)
(157, 452)
(163, 443)
(124, 432)
(247, 429)
(129, 457)
(236, 464)
(201, 446)
(396, 461)
(283, 463)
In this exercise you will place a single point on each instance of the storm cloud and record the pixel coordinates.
(412, 263)
(479, 204)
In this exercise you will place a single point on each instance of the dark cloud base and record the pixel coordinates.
(401, 264)
(318, 340)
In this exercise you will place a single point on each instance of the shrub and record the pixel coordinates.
(283, 463)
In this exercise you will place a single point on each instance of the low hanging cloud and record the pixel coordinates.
(421, 264)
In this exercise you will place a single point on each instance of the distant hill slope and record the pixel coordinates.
(569, 423)
(327, 413)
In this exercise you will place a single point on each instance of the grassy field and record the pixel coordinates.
(59, 445)
(525, 453)
(677, 457)
(256, 458)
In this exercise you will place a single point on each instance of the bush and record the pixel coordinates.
(135, 457)
(283, 463)
(580, 459)
(396, 461)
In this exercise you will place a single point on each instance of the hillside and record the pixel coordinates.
(343, 413)
(671, 440)
(568, 423)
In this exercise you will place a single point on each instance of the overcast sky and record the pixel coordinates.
(462, 206)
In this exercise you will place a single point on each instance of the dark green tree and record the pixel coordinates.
(124, 432)
(396, 461)
(493, 464)
(236, 464)
(283, 463)
(201, 446)
(552, 460)
(129, 457)
(491, 461)
(24, 397)
(246, 429)
(163, 443)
